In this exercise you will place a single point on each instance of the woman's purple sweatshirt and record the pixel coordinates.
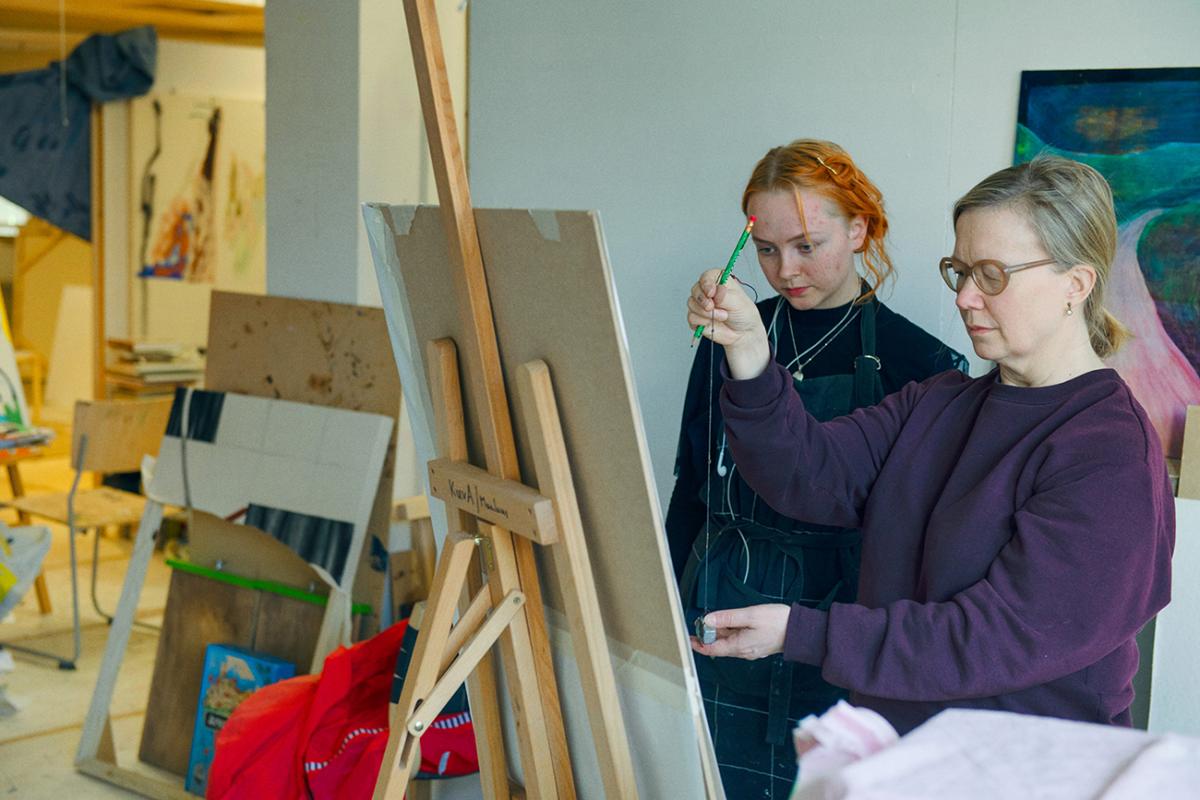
(1014, 539)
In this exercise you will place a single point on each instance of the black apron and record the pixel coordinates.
(752, 555)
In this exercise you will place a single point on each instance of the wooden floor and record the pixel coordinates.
(37, 744)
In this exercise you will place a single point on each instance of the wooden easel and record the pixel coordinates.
(508, 608)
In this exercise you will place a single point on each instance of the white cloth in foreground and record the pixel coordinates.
(989, 755)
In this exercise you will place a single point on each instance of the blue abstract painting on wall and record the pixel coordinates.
(1141, 129)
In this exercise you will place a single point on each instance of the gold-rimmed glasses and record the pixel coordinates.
(989, 275)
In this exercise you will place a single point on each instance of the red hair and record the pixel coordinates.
(827, 169)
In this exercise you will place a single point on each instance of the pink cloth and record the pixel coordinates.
(839, 737)
(997, 755)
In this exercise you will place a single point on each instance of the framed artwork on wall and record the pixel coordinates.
(1140, 128)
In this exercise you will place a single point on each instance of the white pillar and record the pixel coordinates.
(343, 127)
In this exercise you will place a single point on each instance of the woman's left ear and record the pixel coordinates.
(1082, 279)
(858, 232)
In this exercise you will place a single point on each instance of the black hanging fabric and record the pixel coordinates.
(46, 166)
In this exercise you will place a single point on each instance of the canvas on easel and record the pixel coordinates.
(553, 299)
(481, 448)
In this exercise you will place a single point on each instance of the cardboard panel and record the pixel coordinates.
(247, 552)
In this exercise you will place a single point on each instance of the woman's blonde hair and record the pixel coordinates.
(827, 169)
(1070, 207)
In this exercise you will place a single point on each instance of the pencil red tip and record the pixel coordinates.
(750, 224)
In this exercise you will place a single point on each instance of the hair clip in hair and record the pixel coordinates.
(821, 161)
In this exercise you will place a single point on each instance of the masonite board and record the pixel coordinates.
(552, 299)
(201, 611)
(198, 611)
(307, 351)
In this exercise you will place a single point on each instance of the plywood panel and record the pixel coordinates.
(287, 629)
(199, 612)
(120, 432)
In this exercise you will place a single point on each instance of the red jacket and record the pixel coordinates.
(323, 736)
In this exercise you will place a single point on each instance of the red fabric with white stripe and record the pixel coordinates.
(324, 736)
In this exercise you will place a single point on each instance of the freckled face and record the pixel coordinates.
(814, 270)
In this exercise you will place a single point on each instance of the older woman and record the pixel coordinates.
(1018, 527)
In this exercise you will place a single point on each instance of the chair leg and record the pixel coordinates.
(78, 637)
(95, 567)
(108, 619)
(43, 594)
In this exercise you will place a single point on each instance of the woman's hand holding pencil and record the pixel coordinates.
(724, 313)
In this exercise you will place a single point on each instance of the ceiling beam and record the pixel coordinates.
(195, 20)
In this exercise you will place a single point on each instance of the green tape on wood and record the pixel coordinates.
(263, 586)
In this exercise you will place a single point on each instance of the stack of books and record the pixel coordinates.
(152, 367)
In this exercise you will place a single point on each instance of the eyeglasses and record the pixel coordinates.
(990, 276)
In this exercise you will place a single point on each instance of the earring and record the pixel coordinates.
(1070, 311)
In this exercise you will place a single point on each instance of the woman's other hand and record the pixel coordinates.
(730, 319)
(751, 633)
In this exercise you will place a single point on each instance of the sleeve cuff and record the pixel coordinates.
(755, 392)
(804, 641)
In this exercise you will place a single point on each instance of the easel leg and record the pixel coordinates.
(400, 759)
(543, 660)
(574, 570)
(521, 669)
(118, 635)
(485, 710)
(425, 549)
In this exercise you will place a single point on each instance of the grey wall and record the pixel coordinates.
(654, 113)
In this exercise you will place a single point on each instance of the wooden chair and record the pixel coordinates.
(108, 436)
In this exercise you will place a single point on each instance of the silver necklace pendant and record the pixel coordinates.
(798, 374)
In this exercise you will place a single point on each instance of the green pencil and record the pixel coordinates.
(725, 273)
